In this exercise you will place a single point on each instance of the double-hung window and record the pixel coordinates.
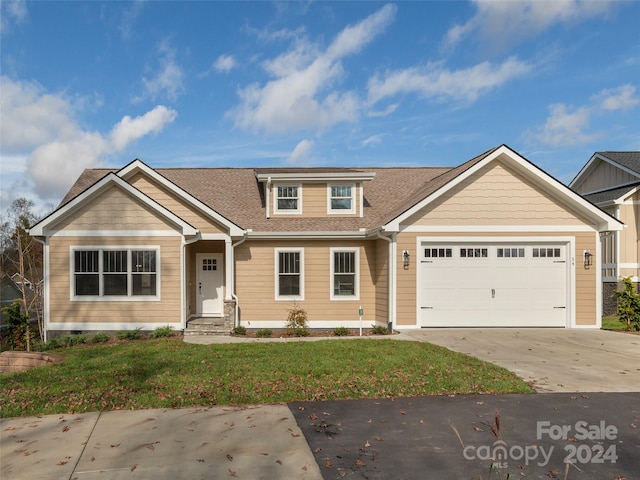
(340, 199)
(345, 277)
(287, 199)
(105, 273)
(289, 274)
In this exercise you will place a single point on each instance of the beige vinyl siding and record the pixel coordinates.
(314, 199)
(114, 209)
(153, 313)
(585, 288)
(255, 282)
(176, 204)
(495, 195)
(382, 281)
(207, 246)
(604, 176)
(630, 236)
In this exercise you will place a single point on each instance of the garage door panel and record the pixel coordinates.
(494, 285)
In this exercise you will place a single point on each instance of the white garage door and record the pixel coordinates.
(492, 285)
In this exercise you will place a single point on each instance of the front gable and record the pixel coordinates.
(205, 224)
(172, 196)
(496, 195)
(111, 204)
(514, 190)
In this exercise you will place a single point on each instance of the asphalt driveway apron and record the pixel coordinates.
(540, 436)
(550, 359)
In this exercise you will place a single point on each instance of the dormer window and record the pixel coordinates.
(341, 199)
(288, 199)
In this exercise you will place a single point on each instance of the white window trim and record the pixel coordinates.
(278, 211)
(113, 298)
(332, 211)
(338, 298)
(276, 272)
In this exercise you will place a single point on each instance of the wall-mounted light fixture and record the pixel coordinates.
(406, 258)
(588, 259)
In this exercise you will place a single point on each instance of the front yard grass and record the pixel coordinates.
(168, 373)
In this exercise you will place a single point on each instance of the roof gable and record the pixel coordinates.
(43, 227)
(627, 162)
(137, 166)
(509, 157)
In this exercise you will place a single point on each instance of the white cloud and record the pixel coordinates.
(300, 95)
(301, 152)
(42, 143)
(168, 81)
(129, 129)
(503, 23)
(566, 125)
(434, 81)
(129, 15)
(383, 113)
(12, 11)
(224, 63)
(32, 117)
(621, 98)
(372, 140)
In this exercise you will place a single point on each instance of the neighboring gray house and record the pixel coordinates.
(611, 180)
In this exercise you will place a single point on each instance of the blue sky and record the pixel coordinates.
(254, 84)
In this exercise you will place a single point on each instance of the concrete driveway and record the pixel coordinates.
(551, 360)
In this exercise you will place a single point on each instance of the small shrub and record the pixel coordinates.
(264, 333)
(134, 334)
(162, 332)
(100, 337)
(629, 305)
(51, 344)
(72, 340)
(378, 330)
(341, 331)
(239, 331)
(297, 322)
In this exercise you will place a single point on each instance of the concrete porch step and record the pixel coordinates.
(207, 326)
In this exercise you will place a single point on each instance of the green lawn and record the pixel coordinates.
(169, 373)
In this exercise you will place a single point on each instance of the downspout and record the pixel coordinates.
(236, 320)
(268, 197)
(45, 291)
(391, 290)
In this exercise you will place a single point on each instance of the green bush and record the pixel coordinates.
(379, 329)
(239, 331)
(162, 332)
(100, 337)
(264, 333)
(134, 334)
(17, 326)
(72, 340)
(341, 331)
(297, 322)
(629, 305)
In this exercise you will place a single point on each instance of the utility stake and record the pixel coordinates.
(360, 314)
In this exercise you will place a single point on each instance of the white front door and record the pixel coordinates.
(209, 284)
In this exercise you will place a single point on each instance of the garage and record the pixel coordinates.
(493, 284)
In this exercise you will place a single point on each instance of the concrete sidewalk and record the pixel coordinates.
(253, 442)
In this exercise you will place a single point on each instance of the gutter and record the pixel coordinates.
(236, 319)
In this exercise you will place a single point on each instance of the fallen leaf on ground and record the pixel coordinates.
(229, 457)
(360, 463)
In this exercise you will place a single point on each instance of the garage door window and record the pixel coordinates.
(474, 253)
(510, 252)
(438, 252)
(546, 253)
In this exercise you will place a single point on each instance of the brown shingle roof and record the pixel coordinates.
(236, 194)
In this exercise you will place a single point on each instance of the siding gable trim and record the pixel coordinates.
(43, 228)
(138, 166)
(603, 221)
